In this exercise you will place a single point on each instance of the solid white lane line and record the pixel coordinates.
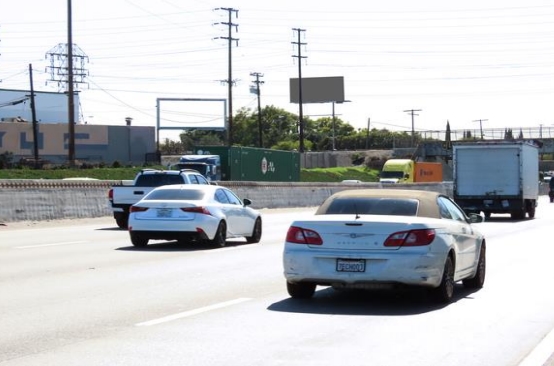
(193, 312)
(541, 353)
(50, 245)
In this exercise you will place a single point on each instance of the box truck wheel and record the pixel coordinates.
(530, 206)
(518, 215)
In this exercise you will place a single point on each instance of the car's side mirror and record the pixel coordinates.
(475, 218)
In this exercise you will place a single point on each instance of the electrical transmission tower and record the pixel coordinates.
(59, 66)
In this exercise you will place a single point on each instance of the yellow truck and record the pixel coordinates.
(410, 171)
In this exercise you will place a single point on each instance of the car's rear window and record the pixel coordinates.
(156, 180)
(370, 206)
(175, 194)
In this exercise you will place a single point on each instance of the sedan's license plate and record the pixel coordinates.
(164, 212)
(350, 265)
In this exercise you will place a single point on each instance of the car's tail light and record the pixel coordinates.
(411, 238)
(299, 235)
(110, 195)
(196, 209)
(137, 209)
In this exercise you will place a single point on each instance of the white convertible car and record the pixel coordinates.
(374, 238)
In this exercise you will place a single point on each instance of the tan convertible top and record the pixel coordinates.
(427, 200)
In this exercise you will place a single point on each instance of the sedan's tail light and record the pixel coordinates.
(196, 209)
(137, 209)
(411, 238)
(299, 235)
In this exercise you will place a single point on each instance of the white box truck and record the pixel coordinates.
(497, 177)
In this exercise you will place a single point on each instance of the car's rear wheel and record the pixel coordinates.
(445, 291)
(138, 240)
(478, 280)
(256, 232)
(220, 236)
(301, 290)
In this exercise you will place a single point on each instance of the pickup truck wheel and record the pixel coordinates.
(138, 240)
(220, 235)
(256, 232)
(121, 221)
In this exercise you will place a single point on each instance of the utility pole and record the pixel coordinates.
(70, 100)
(367, 136)
(412, 112)
(334, 121)
(34, 117)
(62, 71)
(229, 80)
(481, 126)
(256, 89)
(300, 113)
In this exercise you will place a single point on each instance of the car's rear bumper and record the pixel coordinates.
(165, 230)
(171, 235)
(383, 268)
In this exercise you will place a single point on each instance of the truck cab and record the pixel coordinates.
(397, 171)
(207, 165)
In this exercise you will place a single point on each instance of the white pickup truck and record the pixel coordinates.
(123, 196)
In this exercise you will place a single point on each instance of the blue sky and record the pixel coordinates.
(458, 61)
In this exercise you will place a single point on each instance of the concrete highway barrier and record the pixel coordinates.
(38, 200)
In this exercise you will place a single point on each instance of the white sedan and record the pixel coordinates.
(190, 212)
(375, 238)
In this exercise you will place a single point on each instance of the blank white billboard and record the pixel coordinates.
(191, 113)
(318, 90)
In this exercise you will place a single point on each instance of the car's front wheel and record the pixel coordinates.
(138, 240)
(479, 279)
(256, 232)
(445, 291)
(301, 290)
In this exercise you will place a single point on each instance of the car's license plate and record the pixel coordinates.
(350, 265)
(164, 212)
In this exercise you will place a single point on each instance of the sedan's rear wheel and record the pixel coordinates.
(445, 291)
(138, 240)
(256, 232)
(301, 290)
(220, 236)
(479, 279)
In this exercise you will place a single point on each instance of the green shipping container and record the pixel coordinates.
(255, 164)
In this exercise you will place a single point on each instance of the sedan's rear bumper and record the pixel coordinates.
(380, 269)
(169, 230)
(171, 235)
